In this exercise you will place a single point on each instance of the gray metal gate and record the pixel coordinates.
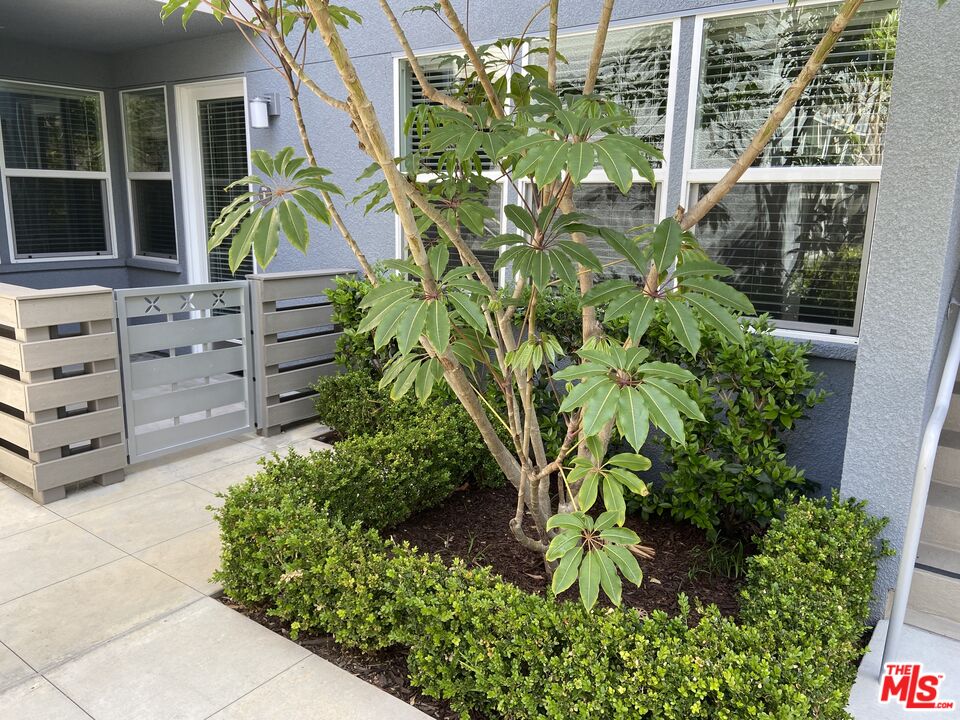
(186, 365)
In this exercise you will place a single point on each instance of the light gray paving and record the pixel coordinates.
(104, 607)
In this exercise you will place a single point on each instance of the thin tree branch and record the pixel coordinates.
(598, 43)
(474, 56)
(763, 135)
(428, 89)
(552, 47)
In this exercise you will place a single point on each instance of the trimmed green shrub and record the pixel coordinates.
(492, 648)
(368, 419)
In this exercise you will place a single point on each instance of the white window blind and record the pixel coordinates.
(54, 171)
(796, 249)
(223, 151)
(149, 181)
(609, 208)
(748, 61)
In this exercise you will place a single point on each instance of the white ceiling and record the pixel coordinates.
(100, 26)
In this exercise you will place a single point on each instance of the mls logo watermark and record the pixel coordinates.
(912, 688)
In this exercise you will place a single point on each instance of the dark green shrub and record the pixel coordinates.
(353, 405)
(355, 350)
(732, 469)
(491, 648)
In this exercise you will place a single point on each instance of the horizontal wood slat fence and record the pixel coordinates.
(62, 414)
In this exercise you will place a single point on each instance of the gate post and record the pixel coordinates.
(293, 344)
(60, 389)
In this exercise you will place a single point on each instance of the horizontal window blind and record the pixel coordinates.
(749, 60)
(145, 128)
(58, 216)
(487, 258)
(153, 224)
(609, 208)
(795, 248)
(223, 151)
(47, 128)
(634, 72)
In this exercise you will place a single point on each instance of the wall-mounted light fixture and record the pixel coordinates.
(262, 108)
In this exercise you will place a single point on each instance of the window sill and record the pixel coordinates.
(74, 263)
(824, 345)
(146, 263)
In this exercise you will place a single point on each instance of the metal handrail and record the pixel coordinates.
(921, 487)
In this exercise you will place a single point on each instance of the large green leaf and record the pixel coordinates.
(713, 314)
(626, 562)
(600, 407)
(437, 327)
(662, 412)
(411, 326)
(468, 310)
(568, 569)
(682, 324)
(609, 579)
(678, 397)
(580, 161)
(590, 570)
(633, 418)
(615, 165)
(666, 243)
(294, 225)
(729, 296)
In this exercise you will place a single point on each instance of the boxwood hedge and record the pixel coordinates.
(493, 649)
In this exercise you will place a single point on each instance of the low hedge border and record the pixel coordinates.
(494, 649)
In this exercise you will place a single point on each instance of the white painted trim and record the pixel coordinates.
(187, 97)
(818, 337)
(817, 173)
(104, 176)
(670, 118)
(130, 176)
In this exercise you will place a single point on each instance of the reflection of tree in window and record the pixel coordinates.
(634, 72)
(749, 61)
(795, 248)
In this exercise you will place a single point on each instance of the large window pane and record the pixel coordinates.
(145, 128)
(795, 248)
(153, 224)
(609, 208)
(58, 216)
(750, 59)
(634, 72)
(50, 128)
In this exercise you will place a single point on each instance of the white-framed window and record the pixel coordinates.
(146, 142)
(638, 70)
(796, 229)
(54, 168)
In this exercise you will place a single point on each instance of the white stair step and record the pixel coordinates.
(939, 557)
(941, 520)
(935, 594)
(933, 623)
(946, 466)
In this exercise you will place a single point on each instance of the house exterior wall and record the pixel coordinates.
(819, 445)
(912, 271)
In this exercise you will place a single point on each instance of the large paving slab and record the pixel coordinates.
(191, 558)
(19, 513)
(318, 690)
(47, 554)
(151, 517)
(187, 666)
(70, 617)
(37, 699)
(13, 670)
(222, 478)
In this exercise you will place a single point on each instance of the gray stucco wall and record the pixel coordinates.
(913, 263)
(818, 445)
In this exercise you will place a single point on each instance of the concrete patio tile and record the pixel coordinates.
(318, 690)
(19, 513)
(37, 699)
(222, 478)
(77, 614)
(150, 518)
(302, 431)
(13, 670)
(50, 553)
(92, 496)
(187, 665)
(195, 461)
(191, 558)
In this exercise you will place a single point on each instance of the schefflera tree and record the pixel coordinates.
(447, 319)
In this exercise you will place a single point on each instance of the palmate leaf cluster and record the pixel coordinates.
(443, 313)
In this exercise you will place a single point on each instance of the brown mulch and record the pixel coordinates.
(472, 525)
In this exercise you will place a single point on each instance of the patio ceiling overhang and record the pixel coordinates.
(97, 26)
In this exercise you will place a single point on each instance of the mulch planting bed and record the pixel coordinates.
(472, 525)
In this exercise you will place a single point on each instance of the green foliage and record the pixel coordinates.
(354, 349)
(439, 435)
(495, 650)
(731, 469)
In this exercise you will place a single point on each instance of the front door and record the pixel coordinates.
(214, 153)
